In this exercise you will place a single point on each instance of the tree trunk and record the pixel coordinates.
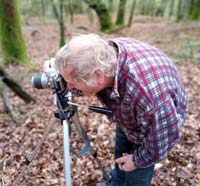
(62, 25)
(194, 10)
(78, 6)
(131, 13)
(60, 17)
(179, 15)
(71, 11)
(15, 87)
(162, 8)
(142, 7)
(111, 6)
(121, 12)
(171, 8)
(43, 9)
(103, 14)
(11, 37)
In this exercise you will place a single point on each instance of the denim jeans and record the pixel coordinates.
(138, 177)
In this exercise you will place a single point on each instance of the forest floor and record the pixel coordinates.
(181, 41)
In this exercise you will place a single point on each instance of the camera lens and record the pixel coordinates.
(40, 81)
(36, 81)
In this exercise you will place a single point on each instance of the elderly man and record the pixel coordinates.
(142, 87)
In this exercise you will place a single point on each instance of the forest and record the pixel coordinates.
(31, 137)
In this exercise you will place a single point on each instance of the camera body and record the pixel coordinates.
(50, 78)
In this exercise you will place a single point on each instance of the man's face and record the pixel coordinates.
(78, 86)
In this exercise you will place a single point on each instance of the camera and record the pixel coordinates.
(50, 78)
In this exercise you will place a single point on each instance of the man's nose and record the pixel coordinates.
(70, 86)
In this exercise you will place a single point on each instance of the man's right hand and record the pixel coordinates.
(48, 64)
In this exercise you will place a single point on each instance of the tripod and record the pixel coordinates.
(64, 113)
(64, 116)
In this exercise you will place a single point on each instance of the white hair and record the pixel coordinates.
(86, 54)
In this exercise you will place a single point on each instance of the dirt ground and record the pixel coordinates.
(181, 41)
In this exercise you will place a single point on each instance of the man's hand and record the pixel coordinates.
(126, 163)
(48, 64)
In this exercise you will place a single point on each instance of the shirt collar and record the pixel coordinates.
(115, 93)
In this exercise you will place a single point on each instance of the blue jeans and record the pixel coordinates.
(138, 177)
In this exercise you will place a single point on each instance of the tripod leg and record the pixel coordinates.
(78, 125)
(66, 153)
(93, 151)
(32, 156)
(105, 174)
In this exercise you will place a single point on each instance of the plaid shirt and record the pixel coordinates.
(148, 100)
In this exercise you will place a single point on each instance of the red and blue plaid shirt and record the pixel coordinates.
(148, 100)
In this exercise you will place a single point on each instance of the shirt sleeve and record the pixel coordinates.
(164, 131)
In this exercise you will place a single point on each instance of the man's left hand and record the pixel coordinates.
(125, 163)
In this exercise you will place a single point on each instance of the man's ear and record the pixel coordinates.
(99, 75)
